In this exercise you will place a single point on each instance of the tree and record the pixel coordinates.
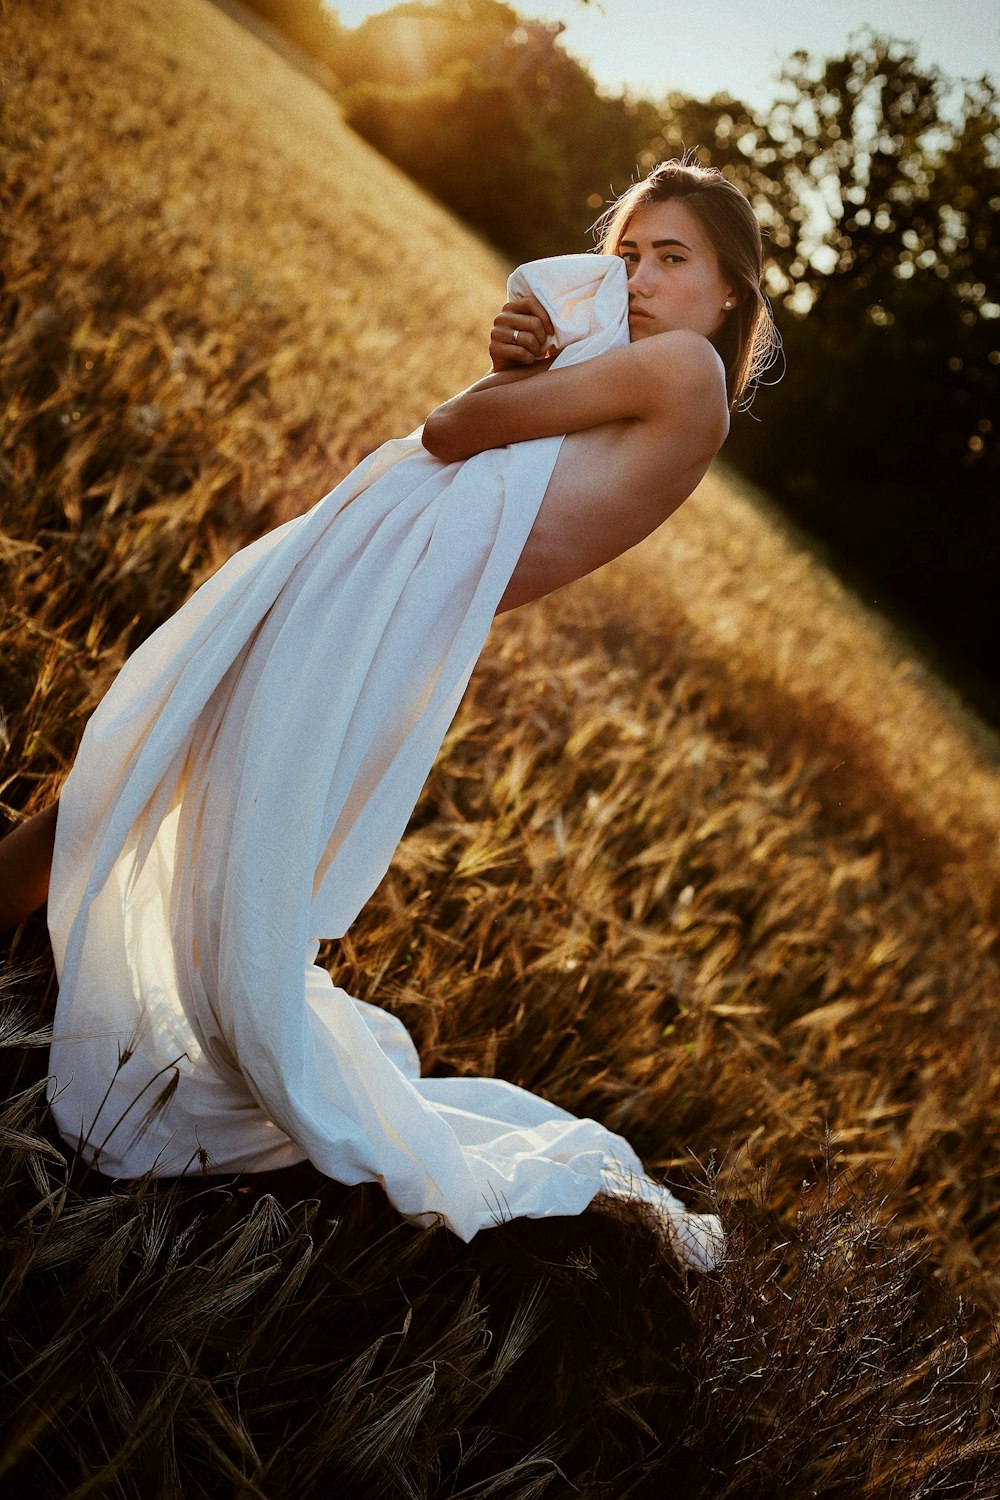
(492, 117)
(310, 24)
(883, 436)
(418, 41)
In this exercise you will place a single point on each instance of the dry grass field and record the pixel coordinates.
(706, 855)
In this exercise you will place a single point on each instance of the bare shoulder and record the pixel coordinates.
(687, 350)
(687, 374)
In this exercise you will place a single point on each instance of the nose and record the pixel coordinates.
(638, 277)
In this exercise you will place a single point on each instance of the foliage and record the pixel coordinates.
(662, 880)
(499, 123)
(309, 24)
(412, 42)
(884, 439)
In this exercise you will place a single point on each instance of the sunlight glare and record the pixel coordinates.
(353, 12)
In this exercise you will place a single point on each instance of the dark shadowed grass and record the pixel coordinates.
(282, 1335)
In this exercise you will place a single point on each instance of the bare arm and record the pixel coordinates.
(647, 380)
(25, 863)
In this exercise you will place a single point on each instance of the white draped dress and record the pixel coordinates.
(238, 795)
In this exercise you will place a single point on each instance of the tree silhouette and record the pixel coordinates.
(883, 438)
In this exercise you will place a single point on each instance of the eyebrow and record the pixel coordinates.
(657, 244)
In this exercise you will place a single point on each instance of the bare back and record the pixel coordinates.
(611, 487)
(642, 423)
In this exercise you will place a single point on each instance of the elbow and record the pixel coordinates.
(438, 437)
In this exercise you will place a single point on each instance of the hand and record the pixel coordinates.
(526, 318)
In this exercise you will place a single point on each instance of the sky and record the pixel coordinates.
(702, 47)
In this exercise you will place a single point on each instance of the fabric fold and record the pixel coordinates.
(238, 795)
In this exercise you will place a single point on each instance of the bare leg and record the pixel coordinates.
(25, 863)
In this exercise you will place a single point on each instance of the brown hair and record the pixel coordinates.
(747, 341)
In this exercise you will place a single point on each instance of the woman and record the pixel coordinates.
(219, 820)
(653, 414)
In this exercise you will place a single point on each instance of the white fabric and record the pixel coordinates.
(589, 311)
(239, 794)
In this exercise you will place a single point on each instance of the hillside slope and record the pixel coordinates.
(752, 594)
(704, 856)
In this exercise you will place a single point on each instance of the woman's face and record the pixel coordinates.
(674, 280)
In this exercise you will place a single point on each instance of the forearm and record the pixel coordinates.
(502, 377)
(440, 426)
(630, 382)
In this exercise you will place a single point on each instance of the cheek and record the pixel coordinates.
(712, 296)
(712, 287)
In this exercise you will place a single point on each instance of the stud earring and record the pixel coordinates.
(727, 304)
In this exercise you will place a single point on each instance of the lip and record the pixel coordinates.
(637, 312)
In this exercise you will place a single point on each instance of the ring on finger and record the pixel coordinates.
(517, 335)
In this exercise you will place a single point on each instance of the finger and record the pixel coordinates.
(531, 307)
(530, 327)
(508, 352)
(522, 329)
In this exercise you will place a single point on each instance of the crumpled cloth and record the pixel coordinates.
(238, 795)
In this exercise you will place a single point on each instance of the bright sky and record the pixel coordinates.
(706, 46)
